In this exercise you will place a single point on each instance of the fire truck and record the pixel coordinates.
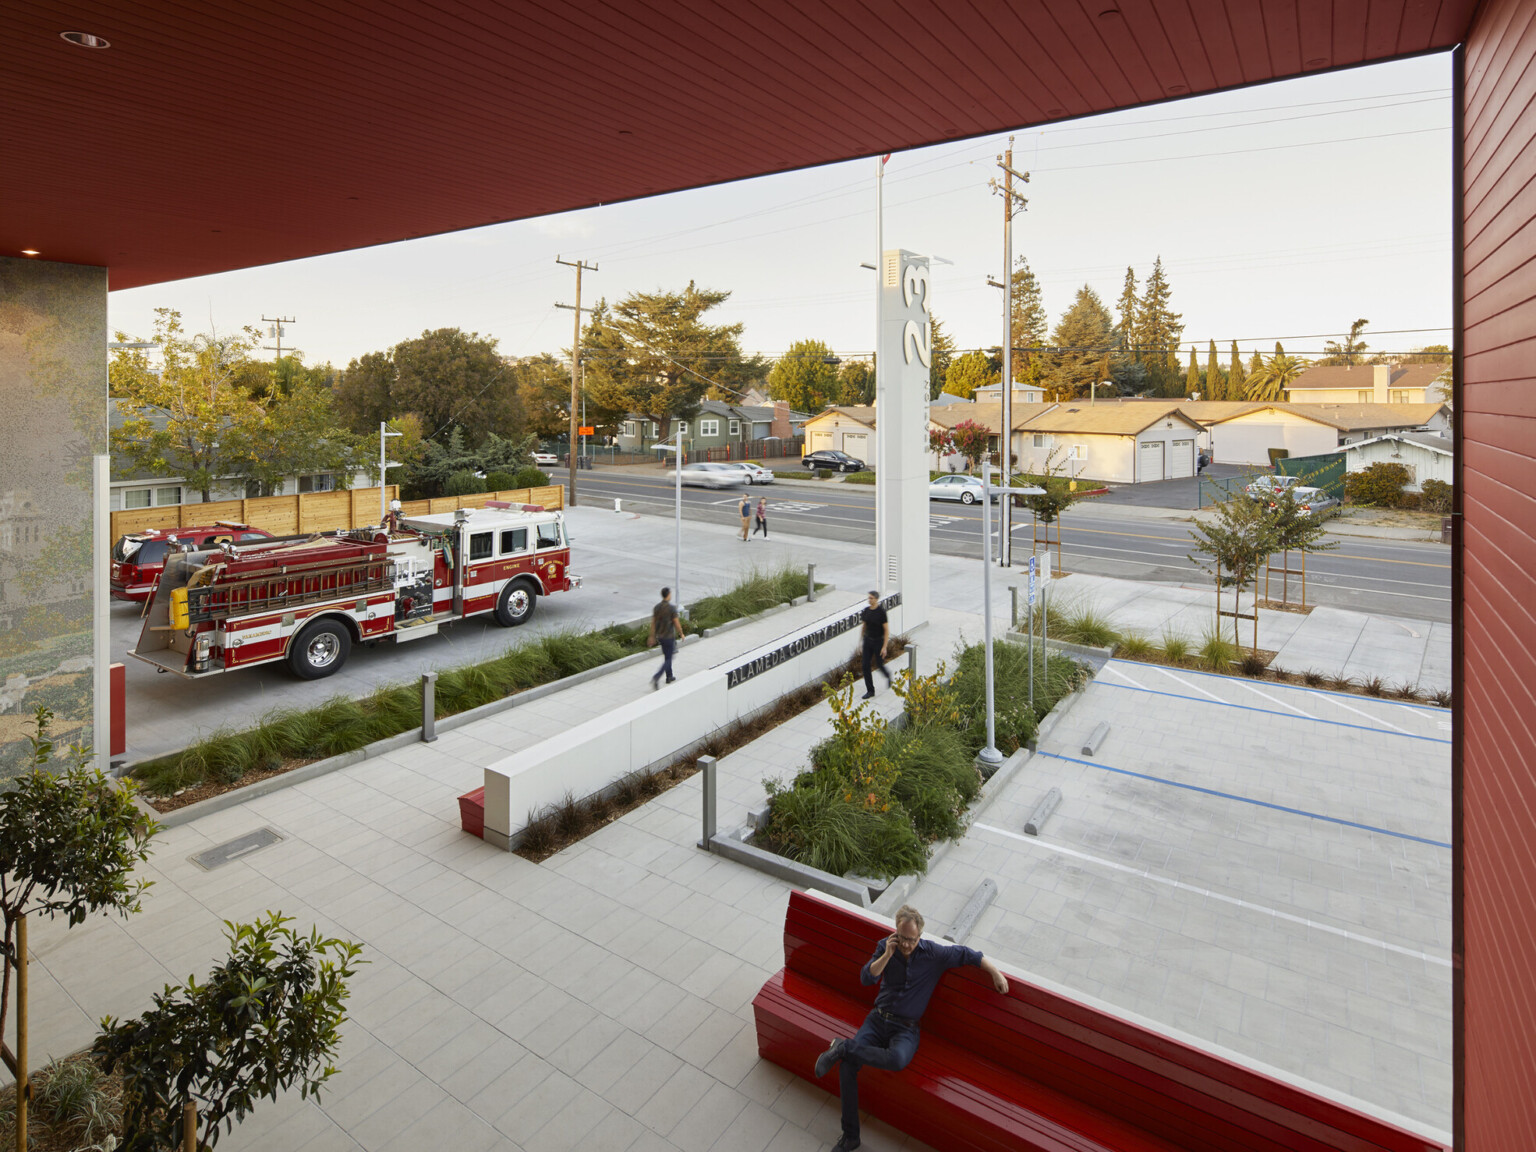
(307, 600)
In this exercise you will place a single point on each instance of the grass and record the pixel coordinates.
(859, 478)
(1176, 648)
(781, 474)
(1135, 646)
(1084, 624)
(341, 724)
(1216, 653)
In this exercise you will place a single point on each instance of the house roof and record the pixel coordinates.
(1362, 376)
(1364, 417)
(755, 413)
(1426, 440)
(1078, 416)
(946, 399)
(863, 413)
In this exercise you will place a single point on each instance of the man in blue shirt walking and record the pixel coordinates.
(908, 969)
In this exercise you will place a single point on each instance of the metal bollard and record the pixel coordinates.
(428, 707)
(810, 582)
(912, 660)
(618, 505)
(707, 768)
(1013, 613)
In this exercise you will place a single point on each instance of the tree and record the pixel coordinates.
(69, 841)
(968, 373)
(299, 432)
(265, 1019)
(542, 385)
(1213, 386)
(1298, 531)
(1273, 376)
(454, 379)
(190, 419)
(1192, 376)
(1352, 351)
(856, 382)
(1236, 377)
(971, 440)
(364, 392)
(805, 376)
(1235, 543)
(1130, 313)
(942, 353)
(1429, 354)
(1028, 322)
(653, 354)
(1086, 334)
(1158, 332)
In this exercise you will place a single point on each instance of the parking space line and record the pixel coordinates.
(1111, 668)
(1248, 799)
(1236, 901)
(1273, 700)
(1357, 712)
(1187, 684)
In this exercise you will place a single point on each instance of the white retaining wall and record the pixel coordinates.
(654, 730)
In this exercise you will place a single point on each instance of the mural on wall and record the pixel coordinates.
(53, 388)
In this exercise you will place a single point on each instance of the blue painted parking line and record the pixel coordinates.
(1299, 688)
(1248, 800)
(1273, 712)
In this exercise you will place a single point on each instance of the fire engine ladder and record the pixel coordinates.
(286, 587)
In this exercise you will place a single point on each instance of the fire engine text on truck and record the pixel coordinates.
(309, 600)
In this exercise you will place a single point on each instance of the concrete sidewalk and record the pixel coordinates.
(1333, 641)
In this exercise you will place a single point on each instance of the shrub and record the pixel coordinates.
(1380, 485)
(936, 778)
(463, 483)
(859, 478)
(817, 824)
(1216, 653)
(72, 1095)
(500, 481)
(1435, 496)
(1086, 625)
(757, 591)
(1176, 648)
(1253, 664)
(1373, 686)
(530, 477)
(1442, 698)
(1135, 646)
(1312, 678)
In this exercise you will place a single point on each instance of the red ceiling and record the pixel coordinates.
(213, 136)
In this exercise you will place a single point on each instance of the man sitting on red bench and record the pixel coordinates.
(908, 969)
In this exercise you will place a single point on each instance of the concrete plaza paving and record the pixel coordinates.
(1265, 867)
(602, 999)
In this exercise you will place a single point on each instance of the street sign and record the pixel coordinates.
(1032, 572)
(586, 431)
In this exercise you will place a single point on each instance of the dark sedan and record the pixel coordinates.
(835, 461)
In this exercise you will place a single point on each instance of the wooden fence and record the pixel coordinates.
(315, 511)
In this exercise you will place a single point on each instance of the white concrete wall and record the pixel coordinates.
(651, 731)
(1422, 463)
(1111, 458)
(827, 433)
(1247, 439)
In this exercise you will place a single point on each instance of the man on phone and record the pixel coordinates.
(908, 969)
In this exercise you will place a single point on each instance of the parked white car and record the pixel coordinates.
(966, 489)
(1308, 500)
(709, 475)
(755, 473)
(545, 459)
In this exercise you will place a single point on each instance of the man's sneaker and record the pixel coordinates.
(846, 1144)
(828, 1058)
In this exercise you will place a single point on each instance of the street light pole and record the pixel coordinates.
(988, 755)
(384, 465)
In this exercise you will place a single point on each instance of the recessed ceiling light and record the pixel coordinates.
(1317, 61)
(625, 132)
(1176, 89)
(1110, 14)
(85, 40)
(29, 252)
(1054, 111)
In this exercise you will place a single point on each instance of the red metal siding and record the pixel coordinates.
(1497, 411)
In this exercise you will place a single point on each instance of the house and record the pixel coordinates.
(1315, 429)
(944, 399)
(1427, 456)
(1118, 443)
(1022, 394)
(846, 428)
(1368, 384)
(134, 489)
(717, 425)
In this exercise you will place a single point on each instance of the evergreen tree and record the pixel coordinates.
(1255, 364)
(943, 354)
(1352, 351)
(1236, 377)
(1158, 332)
(969, 372)
(856, 382)
(1213, 385)
(1086, 331)
(1192, 377)
(1129, 315)
(1028, 318)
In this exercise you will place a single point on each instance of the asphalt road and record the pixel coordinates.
(1399, 578)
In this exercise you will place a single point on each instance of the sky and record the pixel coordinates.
(1284, 211)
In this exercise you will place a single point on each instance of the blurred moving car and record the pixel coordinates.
(836, 461)
(1268, 487)
(139, 558)
(755, 473)
(546, 459)
(709, 475)
(966, 489)
(1308, 500)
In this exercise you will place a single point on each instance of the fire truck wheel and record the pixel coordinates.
(515, 604)
(319, 650)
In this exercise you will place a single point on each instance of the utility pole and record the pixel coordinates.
(276, 331)
(1010, 199)
(577, 309)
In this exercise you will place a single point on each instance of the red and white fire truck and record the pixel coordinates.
(309, 599)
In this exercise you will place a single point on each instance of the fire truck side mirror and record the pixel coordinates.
(181, 617)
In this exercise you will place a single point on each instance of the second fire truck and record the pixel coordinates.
(308, 600)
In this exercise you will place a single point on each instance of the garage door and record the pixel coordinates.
(820, 441)
(1182, 459)
(1151, 461)
(856, 444)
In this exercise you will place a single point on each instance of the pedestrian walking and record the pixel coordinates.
(762, 517)
(908, 969)
(746, 516)
(666, 627)
(877, 634)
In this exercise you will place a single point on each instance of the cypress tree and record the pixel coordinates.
(1192, 377)
(1214, 389)
(1129, 314)
(1236, 377)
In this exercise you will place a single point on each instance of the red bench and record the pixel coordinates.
(1034, 1069)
